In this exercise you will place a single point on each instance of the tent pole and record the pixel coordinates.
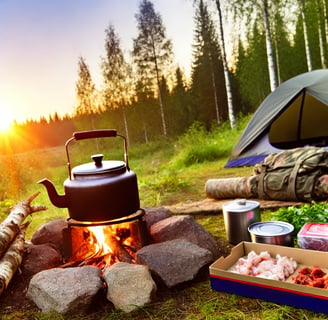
(300, 116)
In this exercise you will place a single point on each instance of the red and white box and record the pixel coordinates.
(313, 236)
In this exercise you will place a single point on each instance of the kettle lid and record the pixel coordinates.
(99, 167)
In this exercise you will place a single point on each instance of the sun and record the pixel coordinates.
(6, 120)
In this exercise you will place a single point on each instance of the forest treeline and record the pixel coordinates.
(145, 94)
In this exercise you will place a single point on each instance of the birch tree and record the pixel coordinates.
(320, 10)
(325, 13)
(152, 52)
(250, 9)
(87, 95)
(225, 68)
(306, 36)
(117, 74)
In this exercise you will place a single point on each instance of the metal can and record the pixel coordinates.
(238, 215)
(272, 232)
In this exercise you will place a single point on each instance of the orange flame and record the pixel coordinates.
(103, 245)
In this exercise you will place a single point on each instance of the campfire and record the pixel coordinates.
(102, 198)
(102, 245)
(95, 253)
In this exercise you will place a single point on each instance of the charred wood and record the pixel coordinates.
(119, 251)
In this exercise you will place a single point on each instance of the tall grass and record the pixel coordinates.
(199, 146)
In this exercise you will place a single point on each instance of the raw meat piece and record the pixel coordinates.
(264, 266)
(312, 277)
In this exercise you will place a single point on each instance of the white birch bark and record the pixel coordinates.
(12, 259)
(11, 225)
(321, 45)
(270, 56)
(225, 68)
(325, 5)
(306, 38)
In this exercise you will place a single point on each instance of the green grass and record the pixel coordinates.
(169, 171)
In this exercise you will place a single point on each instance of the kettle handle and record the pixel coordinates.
(94, 134)
(91, 134)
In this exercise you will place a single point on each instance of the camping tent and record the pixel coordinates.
(295, 114)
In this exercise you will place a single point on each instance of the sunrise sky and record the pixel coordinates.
(41, 40)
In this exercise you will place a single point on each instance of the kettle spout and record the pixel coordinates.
(57, 200)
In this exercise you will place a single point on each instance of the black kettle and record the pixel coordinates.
(99, 190)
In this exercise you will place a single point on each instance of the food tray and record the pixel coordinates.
(281, 292)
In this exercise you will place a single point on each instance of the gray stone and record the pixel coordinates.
(66, 291)
(153, 215)
(184, 227)
(174, 261)
(129, 286)
(40, 257)
(50, 232)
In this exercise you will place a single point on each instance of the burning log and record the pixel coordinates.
(119, 251)
(12, 258)
(10, 227)
(96, 245)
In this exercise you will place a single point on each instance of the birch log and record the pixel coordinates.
(10, 227)
(225, 188)
(12, 259)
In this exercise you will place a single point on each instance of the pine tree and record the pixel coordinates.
(208, 86)
(182, 116)
(252, 75)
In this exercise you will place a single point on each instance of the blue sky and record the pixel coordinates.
(41, 40)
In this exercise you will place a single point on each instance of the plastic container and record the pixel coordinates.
(238, 215)
(272, 232)
(313, 236)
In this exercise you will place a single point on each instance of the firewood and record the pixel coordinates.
(238, 187)
(10, 227)
(12, 258)
(119, 251)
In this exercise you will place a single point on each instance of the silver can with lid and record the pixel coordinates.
(272, 232)
(238, 215)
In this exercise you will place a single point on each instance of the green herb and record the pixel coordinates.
(298, 216)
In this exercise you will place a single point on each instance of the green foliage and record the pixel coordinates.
(198, 145)
(85, 89)
(253, 62)
(310, 212)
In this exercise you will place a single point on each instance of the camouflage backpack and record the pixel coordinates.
(291, 174)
